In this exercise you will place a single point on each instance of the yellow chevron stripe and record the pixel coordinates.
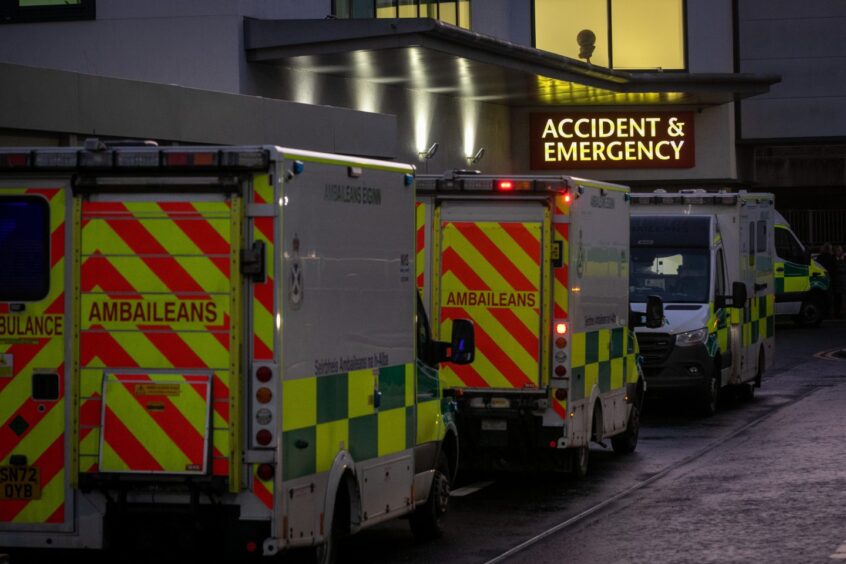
(487, 369)
(19, 389)
(500, 334)
(90, 447)
(52, 496)
(515, 253)
(143, 279)
(44, 434)
(144, 428)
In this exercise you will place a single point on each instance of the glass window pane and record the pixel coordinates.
(408, 8)
(342, 9)
(558, 23)
(429, 9)
(363, 9)
(647, 34)
(448, 12)
(386, 9)
(464, 13)
(24, 248)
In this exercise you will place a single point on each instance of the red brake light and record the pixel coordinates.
(264, 437)
(505, 185)
(561, 394)
(561, 328)
(560, 342)
(560, 371)
(264, 374)
(265, 472)
(567, 198)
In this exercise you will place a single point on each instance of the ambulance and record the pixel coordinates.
(802, 284)
(215, 344)
(540, 265)
(709, 256)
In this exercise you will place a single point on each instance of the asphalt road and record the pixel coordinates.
(761, 481)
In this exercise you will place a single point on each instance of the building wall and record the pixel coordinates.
(804, 43)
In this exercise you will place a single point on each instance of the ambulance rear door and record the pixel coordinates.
(492, 271)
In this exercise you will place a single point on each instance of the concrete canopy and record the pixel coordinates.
(429, 55)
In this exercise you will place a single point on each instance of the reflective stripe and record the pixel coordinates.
(156, 294)
(36, 429)
(490, 274)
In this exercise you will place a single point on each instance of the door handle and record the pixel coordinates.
(780, 269)
(759, 287)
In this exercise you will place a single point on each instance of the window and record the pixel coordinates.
(12, 11)
(788, 248)
(24, 248)
(630, 34)
(676, 275)
(762, 236)
(455, 12)
(751, 249)
(720, 276)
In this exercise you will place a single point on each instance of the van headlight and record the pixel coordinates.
(695, 337)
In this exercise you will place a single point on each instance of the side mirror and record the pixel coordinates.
(462, 348)
(654, 316)
(738, 294)
(654, 312)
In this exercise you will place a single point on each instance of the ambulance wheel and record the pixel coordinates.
(811, 313)
(327, 551)
(626, 442)
(427, 521)
(580, 458)
(710, 395)
(747, 390)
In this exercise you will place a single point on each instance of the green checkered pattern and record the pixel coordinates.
(324, 415)
(758, 318)
(718, 335)
(607, 358)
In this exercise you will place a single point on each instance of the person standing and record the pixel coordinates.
(827, 261)
(839, 280)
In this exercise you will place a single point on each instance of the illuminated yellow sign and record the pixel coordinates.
(612, 140)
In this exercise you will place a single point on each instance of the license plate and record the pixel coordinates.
(494, 425)
(20, 482)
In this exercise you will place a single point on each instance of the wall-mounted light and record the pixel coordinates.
(428, 153)
(477, 157)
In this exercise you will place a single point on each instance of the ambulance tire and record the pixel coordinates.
(427, 520)
(327, 552)
(811, 312)
(709, 399)
(580, 459)
(626, 442)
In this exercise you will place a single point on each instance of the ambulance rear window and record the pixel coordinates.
(24, 248)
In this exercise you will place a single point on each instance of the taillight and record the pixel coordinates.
(262, 406)
(264, 374)
(559, 360)
(263, 437)
(265, 471)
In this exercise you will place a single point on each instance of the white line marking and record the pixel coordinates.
(840, 553)
(472, 488)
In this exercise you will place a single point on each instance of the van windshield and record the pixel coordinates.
(675, 275)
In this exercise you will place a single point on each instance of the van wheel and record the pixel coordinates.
(710, 395)
(626, 442)
(427, 521)
(327, 551)
(580, 457)
(747, 390)
(811, 313)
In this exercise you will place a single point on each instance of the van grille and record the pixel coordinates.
(655, 347)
